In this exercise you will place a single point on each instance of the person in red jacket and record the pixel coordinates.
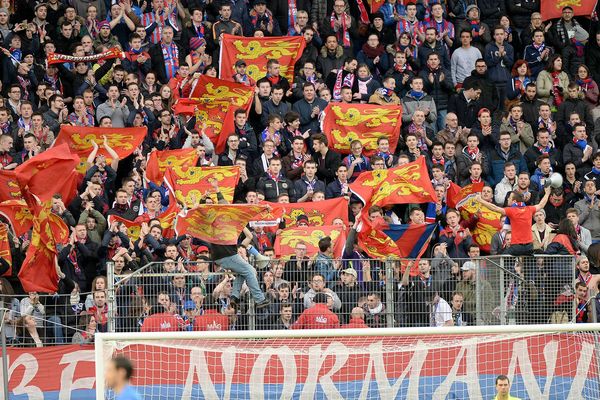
(318, 316)
(161, 321)
(357, 319)
(212, 319)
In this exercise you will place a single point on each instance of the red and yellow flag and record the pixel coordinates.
(256, 52)
(196, 182)
(79, 139)
(219, 93)
(49, 173)
(227, 129)
(166, 219)
(408, 183)
(17, 212)
(218, 224)
(5, 248)
(553, 8)
(287, 240)
(38, 272)
(374, 242)
(319, 213)
(343, 123)
(456, 193)
(487, 222)
(9, 187)
(160, 160)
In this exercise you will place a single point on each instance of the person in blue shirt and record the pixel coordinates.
(118, 374)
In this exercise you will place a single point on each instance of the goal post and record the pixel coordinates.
(541, 361)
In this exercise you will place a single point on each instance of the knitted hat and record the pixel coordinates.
(196, 43)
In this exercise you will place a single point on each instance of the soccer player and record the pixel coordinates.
(118, 374)
(503, 389)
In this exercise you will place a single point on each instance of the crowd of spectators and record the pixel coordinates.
(491, 93)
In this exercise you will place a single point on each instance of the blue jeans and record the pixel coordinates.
(56, 328)
(244, 272)
(441, 120)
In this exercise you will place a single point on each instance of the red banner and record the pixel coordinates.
(343, 123)
(56, 58)
(218, 224)
(219, 93)
(5, 248)
(122, 140)
(9, 187)
(408, 183)
(19, 215)
(49, 173)
(553, 8)
(256, 52)
(160, 160)
(557, 366)
(287, 240)
(196, 182)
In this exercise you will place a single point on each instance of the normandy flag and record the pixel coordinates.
(286, 241)
(343, 123)
(160, 160)
(217, 223)
(5, 248)
(17, 212)
(123, 141)
(219, 93)
(218, 122)
(38, 272)
(166, 219)
(456, 193)
(256, 52)
(553, 8)
(319, 213)
(408, 183)
(9, 187)
(50, 172)
(196, 182)
(487, 222)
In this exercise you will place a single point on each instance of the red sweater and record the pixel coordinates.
(355, 323)
(317, 317)
(211, 320)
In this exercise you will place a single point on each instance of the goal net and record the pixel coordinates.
(542, 362)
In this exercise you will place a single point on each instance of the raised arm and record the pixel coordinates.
(491, 206)
(544, 200)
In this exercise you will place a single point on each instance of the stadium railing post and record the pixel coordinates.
(99, 366)
(478, 296)
(3, 311)
(110, 277)
(389, 292)
(503, 306)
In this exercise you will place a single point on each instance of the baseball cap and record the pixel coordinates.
(350, 271)
(189, 305)
(202, 249)
(468, 266)
(239, 63)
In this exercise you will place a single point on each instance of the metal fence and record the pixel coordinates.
(40, 320)
(436, 292)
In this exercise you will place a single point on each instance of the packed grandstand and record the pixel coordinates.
(189, 165)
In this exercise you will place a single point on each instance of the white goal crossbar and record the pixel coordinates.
(433, 335)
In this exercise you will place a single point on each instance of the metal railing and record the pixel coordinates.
(491, 290)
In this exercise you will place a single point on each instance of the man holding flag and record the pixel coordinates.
(520, 220)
